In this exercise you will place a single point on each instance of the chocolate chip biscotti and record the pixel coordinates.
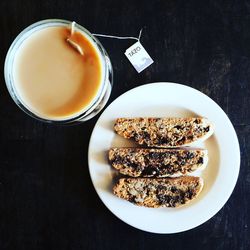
(164, 132)
(167, 192)
(148, 162)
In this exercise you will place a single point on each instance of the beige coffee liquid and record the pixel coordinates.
(52, 79)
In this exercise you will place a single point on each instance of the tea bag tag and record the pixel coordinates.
(138, 56)
(136, 53)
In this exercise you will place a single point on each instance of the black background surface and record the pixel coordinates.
(47, 200)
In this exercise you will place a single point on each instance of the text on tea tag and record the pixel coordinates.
(138, 57)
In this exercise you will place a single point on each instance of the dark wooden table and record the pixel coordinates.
(47, 200)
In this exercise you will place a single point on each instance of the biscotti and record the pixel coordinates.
(148, 162)
(166, 192)
(164, 132)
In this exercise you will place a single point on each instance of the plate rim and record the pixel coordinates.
(228, 193)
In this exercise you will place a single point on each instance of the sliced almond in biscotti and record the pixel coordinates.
(165, 192)
(164, 132)
(157, 162)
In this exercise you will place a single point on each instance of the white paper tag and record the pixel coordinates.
(138, 56)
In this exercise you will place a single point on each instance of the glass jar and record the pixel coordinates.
(104, 90)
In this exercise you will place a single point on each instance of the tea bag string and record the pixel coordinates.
(120, 37)
(73, 44)
(78, 48)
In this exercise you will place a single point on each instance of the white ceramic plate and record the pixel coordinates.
(167, 100)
